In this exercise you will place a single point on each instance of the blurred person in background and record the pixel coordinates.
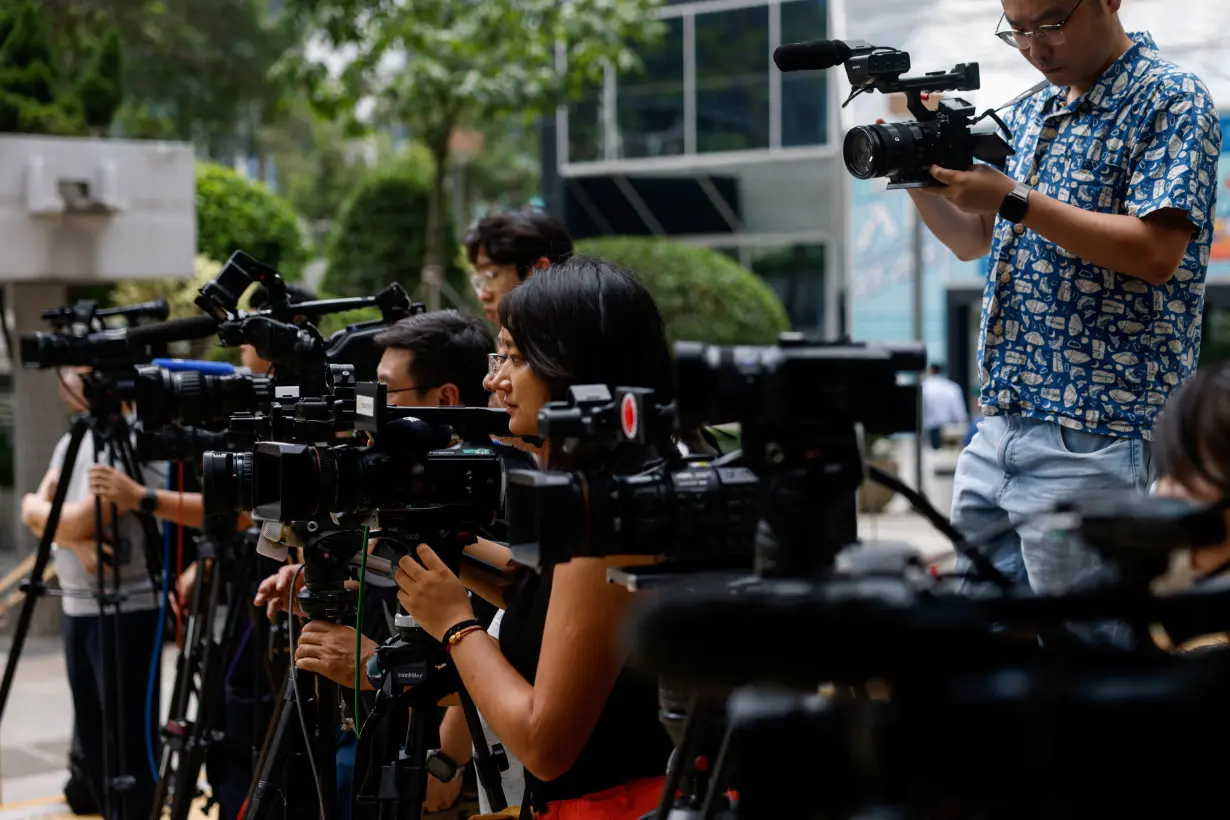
(943, 404)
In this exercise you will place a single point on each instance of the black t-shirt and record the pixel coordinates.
(628, 742)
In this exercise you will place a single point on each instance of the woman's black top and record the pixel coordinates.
(628, 742)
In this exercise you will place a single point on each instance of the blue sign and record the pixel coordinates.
(880, 284)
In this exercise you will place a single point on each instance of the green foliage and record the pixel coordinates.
(33, 95)
(464, 61)
(703, 295)
(380, 235)
(196, 70)
(234, 213)
(101, 88)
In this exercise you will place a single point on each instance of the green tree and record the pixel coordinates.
(198, 70)
(234, 213)
(704, 296)
(37, 94)
(434, 65)
(380, 233)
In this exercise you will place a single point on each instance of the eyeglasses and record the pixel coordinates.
(1051, 35)
(480, 279)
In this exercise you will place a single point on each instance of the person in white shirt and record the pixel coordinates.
(943, 404)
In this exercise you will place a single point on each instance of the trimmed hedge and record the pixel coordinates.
(704, 296)
(380, 236)
(234, 213)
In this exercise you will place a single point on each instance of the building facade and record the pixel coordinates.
(710, 144)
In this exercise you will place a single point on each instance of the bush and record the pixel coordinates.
(380, 236)
(234, 213)
(704, 296)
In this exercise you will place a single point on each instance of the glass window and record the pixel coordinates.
(649, 103)
(1215, 337)
(585, 143)
(732, 80)
(804, 93)
(796, 274)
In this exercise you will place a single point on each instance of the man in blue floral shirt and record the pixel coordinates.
(1099, 236)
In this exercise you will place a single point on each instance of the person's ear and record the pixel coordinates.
(450, 396)
(541, 263)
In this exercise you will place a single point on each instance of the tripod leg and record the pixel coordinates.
(485, 765)
(213, 676)
(34, 586)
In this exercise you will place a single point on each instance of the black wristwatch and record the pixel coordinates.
(442, 767)
(1016, 204)
(149, 501)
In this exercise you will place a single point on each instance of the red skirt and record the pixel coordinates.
(627, 802)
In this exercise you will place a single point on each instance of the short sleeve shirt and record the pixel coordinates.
(1065, 340)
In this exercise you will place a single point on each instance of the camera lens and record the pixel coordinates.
(227, 482)
(887, 150)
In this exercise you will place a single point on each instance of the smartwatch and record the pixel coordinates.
(149, 501)
(442, 767)
(1016, 204)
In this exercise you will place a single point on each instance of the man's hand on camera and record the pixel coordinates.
(110, 484)
(275, 590)
(980, 190)
(432, 593)
(327, 649)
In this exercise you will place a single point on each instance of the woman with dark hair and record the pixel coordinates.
(556, 687)
(1191, 450)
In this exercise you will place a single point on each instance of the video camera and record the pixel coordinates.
(409, 466)
(82, 337)
(904, 152)
(799, 404)
(284, 332)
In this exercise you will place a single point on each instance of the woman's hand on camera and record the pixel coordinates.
(275, 590)
(327, 649)
(110, 484)
(432, 593)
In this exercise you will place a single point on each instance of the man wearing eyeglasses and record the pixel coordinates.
(506, 248)
(436, 359)
(1098, 239)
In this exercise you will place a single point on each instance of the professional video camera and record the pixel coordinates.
(284, 332)
(409, 467)
(82, 337)
(694, 510)
(969, 714)
(799, 404)
(175, 442)
(904, 152)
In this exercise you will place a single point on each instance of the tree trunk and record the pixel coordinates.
(433, 256)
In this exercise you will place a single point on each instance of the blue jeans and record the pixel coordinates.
(1017, 466)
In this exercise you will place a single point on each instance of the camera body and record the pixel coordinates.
(905, 151)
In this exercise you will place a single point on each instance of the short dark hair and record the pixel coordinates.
(449, 348)
(296, 293)
(519, 238)
(589, 321)
(1190, 441)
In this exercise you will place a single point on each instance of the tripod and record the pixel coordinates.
(308, 715)
(418, 675)
(109, 430)
(219, 597)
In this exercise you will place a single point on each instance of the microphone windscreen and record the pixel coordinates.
(811, 56)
